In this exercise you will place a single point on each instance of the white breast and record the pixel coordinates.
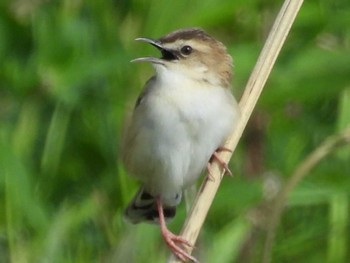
(175, 131)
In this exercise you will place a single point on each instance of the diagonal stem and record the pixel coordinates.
(248, 101)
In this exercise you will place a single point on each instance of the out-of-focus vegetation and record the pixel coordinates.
(65, 85)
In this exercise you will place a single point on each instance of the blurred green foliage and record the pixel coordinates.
(66, 83)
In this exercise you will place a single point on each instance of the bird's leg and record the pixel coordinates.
(171, 239)
(220, 161)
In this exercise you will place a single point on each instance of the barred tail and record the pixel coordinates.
(143, 208)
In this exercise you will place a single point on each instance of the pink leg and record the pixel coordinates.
(220, 161)
(171, 239)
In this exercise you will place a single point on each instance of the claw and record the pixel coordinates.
(173, 241)
(210, 175)
(223, 149)
(220, 161)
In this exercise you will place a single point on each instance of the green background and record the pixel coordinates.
(66, 84)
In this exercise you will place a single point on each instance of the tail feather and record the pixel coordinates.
(143, 208)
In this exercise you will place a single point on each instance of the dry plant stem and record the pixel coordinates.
(327, 147)
(251, 94)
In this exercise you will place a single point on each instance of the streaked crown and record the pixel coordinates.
(195, 53)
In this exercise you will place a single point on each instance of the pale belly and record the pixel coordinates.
(171, 141)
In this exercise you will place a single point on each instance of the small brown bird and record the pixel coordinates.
(182, 117)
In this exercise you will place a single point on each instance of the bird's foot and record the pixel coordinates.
(223, 164)
(173, 241)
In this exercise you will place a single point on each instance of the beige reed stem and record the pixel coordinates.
(256, 82)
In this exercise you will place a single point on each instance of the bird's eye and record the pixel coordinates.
(186, 50)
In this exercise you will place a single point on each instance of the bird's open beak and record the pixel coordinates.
(153, 42)
(167, 55)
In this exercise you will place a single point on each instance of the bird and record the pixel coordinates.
(181, 119)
